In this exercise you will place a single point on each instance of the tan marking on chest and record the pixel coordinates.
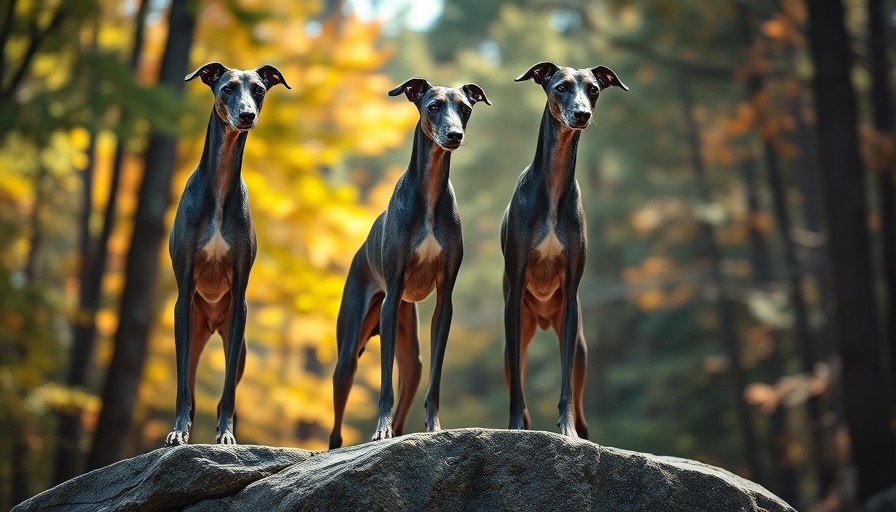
(550, 247)
(429, 249)
(216, 247)
(557, 177)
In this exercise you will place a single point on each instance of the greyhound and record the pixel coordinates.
(543, 241)
(413, 248)
(212, 243)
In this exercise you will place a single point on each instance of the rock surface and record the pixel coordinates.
(465, 469)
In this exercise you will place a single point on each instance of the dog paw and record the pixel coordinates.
(433, 425)
(177, 437)
(226, 437)
(385, 433)
(568, 430)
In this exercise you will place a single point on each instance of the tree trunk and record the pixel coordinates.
(68, 432)
(727, 329)
(5, 27)
(865, 391)
(34, 260)
(137, 312)
(93, 267)
(784, 484)
(882, 104)
(785, 474)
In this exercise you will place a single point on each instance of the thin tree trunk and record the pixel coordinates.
(68, 449)
(804, 344)
(5, 27)
(727, 329)
(865, 390)
(94, 251)
(784, 484)
(137, 312)
(882, 103)
(785, 476)
(35, 248)
(818, 258)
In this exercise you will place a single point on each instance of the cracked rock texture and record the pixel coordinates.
(465, 469)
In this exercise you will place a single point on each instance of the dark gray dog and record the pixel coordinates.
(543, 240)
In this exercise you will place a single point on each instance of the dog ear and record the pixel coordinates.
(209, 73)
(271, 76)
(607, 78)
(475, 93)
(541, 73)
(414, 89)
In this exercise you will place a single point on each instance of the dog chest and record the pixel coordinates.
(545, 267)
(420, 280)
(212, 278)
(216, 247)
(213, 268)
(429, 249)
(550, 247)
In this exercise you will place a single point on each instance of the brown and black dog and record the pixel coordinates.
(413, 248)
(212, 243)
(543, 241)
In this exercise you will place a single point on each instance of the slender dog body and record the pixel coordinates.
(213, 245)
(413, 248)
(544, 244)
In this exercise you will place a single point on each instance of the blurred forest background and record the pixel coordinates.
(739, 293)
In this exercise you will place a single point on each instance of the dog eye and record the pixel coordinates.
(258, 90)
(433, 107)
(227, 89)
(561, 88)
(593, 90)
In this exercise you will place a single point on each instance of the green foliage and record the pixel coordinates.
(50, 84)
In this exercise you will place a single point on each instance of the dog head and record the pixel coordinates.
(444, 111)
(572, 93)
(239, 93)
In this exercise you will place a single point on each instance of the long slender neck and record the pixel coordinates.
(555, 157)
(428, 169)
(222, 158)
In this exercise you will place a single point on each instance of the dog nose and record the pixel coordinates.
(582, 115)
(247, 117)
(455, 136)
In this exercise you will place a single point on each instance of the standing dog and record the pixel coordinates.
(413, 248)
(543, 241)
(212, 243)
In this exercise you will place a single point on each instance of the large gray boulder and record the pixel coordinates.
(465, 469)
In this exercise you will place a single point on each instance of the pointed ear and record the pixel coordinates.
(271, 76)
(414, 89)
(541, 73)
(209, 73)
(475, 93)
(607, 78)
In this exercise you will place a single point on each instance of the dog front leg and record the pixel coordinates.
(388, 329)
(233, 348)
(569, 333)
(579, 374)
(180, 434)
(441, 325)
(513, 302)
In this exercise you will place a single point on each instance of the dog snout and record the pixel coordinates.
(582, 116)
(455, 136)
(247, 117)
